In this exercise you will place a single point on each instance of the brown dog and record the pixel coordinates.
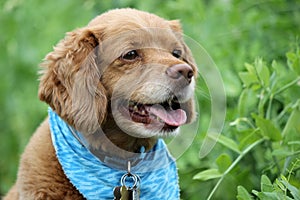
(122, 81)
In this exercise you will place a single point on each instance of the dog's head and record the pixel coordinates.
(127, 68)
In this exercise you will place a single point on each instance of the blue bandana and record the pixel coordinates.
(96, 179)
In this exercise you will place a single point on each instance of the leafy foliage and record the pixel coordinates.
(272, 123)
(260, 141)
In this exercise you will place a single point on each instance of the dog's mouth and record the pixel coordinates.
(168, 115)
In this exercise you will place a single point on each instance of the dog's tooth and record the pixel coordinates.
(169, 101)
(135, 108)
(143, 112)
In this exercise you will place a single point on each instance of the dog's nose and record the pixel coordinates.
(180, 71)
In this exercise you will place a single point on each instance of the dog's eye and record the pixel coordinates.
(130, 56)
(177, 53)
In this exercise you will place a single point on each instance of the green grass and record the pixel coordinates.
(232, 32)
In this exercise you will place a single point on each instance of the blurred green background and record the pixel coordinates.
(232, 31)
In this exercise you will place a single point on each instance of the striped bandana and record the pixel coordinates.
(95, 179)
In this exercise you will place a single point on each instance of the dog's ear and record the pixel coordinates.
(175, 26)
(70, 80)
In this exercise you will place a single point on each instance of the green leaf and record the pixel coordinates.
(248, 79)
(267, 128)
(243, 194)
(282, 152)
(227, 142)
(250, 137)
(294, 60)
(262, 72)
(279, 185)
(265, 184)
(208, 174)
(293, 122)
(255, 192)
(294, 191)
(242, 102)
(247, 101)
(250, 68)
(223, 162)
(269, 196)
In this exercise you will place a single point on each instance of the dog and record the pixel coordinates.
(114, 88)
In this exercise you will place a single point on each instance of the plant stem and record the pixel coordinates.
(287, 86)
(242, 154)
(283, 112)
(261, 103)
(274, 157)
(268, 115)
(292, 169)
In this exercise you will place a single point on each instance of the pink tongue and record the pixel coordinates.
(170, 117)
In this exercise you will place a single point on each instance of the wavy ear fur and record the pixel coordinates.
(70, 81)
